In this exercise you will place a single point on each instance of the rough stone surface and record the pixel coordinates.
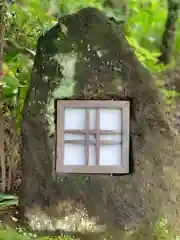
(86, 56)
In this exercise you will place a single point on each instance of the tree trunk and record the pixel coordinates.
(168, 37)
(2, 8)
(2, 157)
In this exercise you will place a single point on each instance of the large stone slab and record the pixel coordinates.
(85, 56)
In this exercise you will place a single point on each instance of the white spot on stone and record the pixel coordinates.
(67, 61)
(46, 78)
(64, 28)
(99, 53)
(88, 47)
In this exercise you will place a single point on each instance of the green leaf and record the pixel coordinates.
(9, 91)
(10, 81)
(7, 204)
(7, 196)
(10, 56)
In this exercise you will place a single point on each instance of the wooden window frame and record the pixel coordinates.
(92, 169)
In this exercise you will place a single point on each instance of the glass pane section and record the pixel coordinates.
(111, 137)
(92, 155)
(92, 119)
(74, 154)
(70, 136)
(74, 119)
(110, 119)
(110, 155)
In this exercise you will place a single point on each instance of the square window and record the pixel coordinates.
(92, 136)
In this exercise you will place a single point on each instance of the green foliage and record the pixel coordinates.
(162, 231)
(31, 20)
(10, 234)
(147, 58)
(64, 7)
(144, 30)
(146, 22)
(7, 201)
(24, 24)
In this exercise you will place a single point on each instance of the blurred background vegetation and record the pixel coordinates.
(152, 27)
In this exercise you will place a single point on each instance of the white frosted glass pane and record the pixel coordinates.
(92, 119)
(74, 118)
(70, 136)
(110, 119)
(111, 137)
(92, 155)
(110, 155)
(74, 154)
